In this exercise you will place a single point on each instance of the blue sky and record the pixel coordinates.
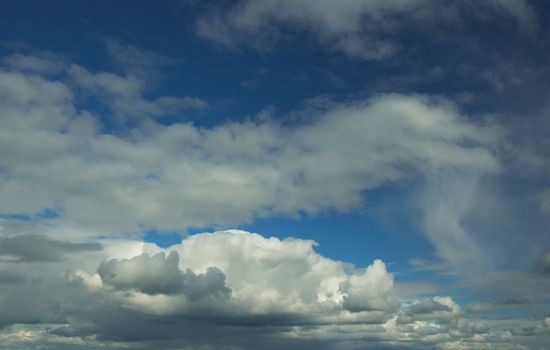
(274, 173)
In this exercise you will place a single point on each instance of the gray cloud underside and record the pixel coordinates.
(36, 248)
(160, 275)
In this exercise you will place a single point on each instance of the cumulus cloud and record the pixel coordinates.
(371, 290)
(282, 276)
(247, 289)
(437, 308)
(160, 274)
(228, 278)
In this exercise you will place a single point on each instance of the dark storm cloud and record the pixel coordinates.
(37, 248)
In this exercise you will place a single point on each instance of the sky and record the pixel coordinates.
(274, 174)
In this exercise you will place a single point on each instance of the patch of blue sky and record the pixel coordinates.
(45, 214)
(163, 239)
(354, 238)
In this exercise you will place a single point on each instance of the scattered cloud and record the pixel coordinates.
(362, 30)
(134, 61)
(124, 95)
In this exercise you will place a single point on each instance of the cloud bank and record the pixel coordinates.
(245, 288)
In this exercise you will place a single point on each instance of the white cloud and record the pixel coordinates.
(370, 290)
(177, 176)
(268, 275)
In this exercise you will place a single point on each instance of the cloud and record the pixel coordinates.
(360, 29)
(521, 11)
(11, 277)
(545, 201)
(448, 201)
(369, 291)
(473, 220)
(151, 275)
(276, 276)
(440, 309)
(136, 61)
(22, 90)
(544, 262)
(224, 280)
(124, 95)
(36, 248)
(87, 165)
(428, 306)
(180, 175)
(160, 274)
(257, 23)
(513, 285)
(42, 63)
(248, 290)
